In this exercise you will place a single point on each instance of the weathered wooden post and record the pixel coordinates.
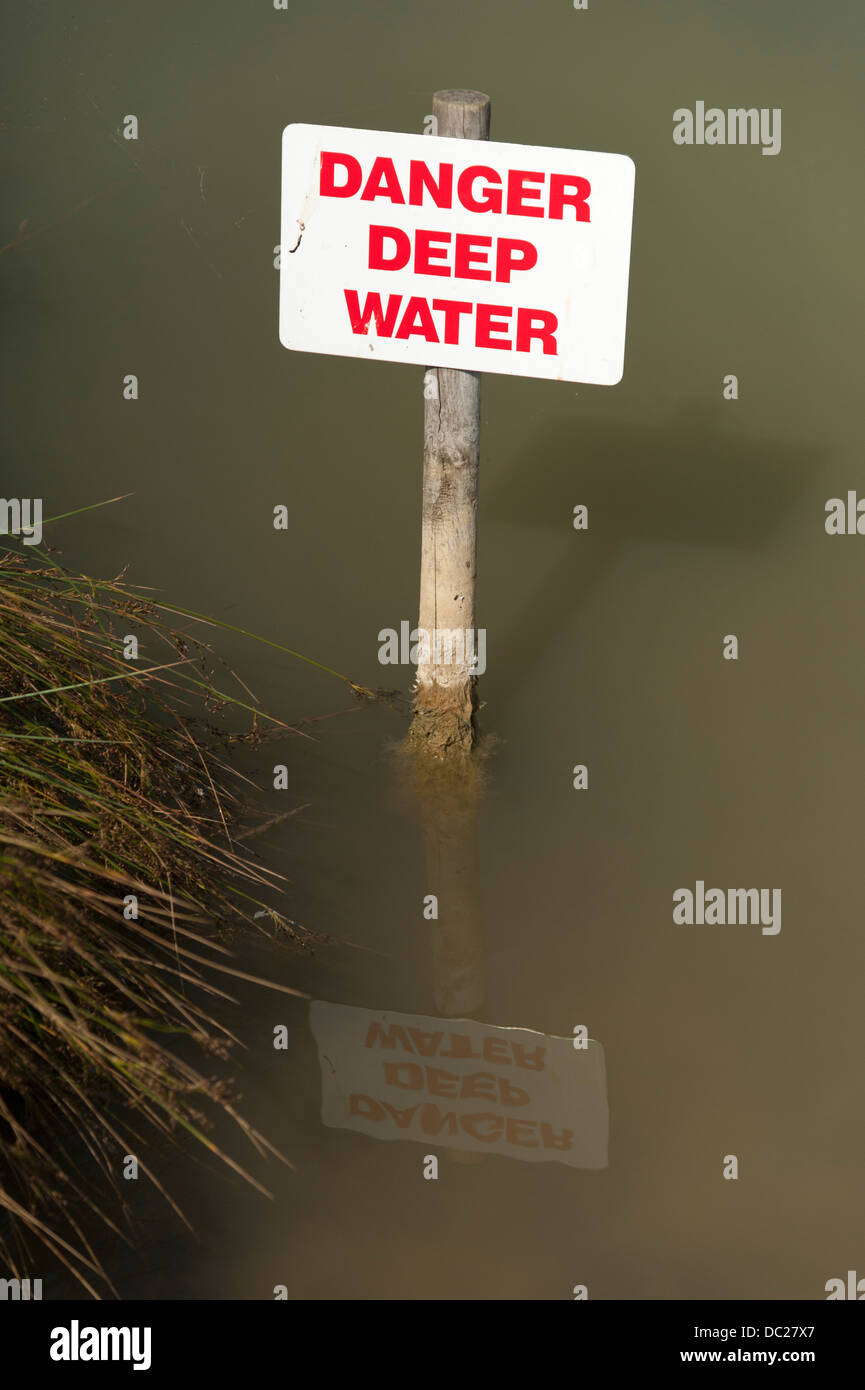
(449, 808)
(444, 700)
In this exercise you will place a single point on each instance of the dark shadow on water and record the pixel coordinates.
(691, 481)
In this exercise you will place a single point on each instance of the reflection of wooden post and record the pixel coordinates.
(444, 699)
(449, 818)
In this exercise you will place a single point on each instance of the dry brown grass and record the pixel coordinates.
(115, 780)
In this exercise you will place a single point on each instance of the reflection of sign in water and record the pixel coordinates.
(462, 1085)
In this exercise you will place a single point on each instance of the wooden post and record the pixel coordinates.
(444, 703)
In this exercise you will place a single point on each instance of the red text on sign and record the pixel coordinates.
(479, 188)
(390, 248)
(491, 321)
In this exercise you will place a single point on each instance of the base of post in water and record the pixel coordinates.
(443, 723)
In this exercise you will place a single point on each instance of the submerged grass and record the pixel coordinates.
(114, 786)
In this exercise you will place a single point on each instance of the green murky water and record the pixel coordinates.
(155, 257)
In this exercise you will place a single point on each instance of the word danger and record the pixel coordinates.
(479, 188)
(391, 237)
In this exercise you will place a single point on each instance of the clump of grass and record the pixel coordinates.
(114, 785)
